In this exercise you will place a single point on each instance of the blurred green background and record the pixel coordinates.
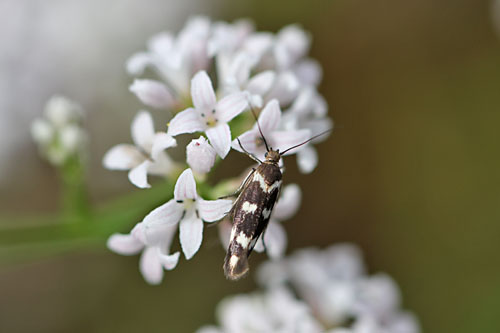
(411, 173)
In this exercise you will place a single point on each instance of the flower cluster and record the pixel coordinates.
(59, 134)
(333, 294)
(255, 73)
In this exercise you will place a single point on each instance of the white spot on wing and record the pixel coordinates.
(249, 207)
(268, 189)
(243, 240)
(233, 260)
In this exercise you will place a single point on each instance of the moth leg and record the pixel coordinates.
(241, 187)
(252, 156)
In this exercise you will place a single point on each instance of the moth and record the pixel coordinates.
(251, 210)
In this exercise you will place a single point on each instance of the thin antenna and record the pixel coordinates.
(260, 131)
(303, 143)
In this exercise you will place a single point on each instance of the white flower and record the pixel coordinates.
(146, 156)
(200, 155)
(187, 209)
(308, 111)
(275, 238)
(208, 114)
(176, 59)
(334, 284)
(275, 311)
(269, 121)
(154, 258)
(59, 135)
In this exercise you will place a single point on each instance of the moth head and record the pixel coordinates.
(273, 156)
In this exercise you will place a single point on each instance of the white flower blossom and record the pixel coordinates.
(275, 311)
(147, 156)
(209, 115)
(189, 211)
(153, 93)
(59, 134)
(269, 121)
(200, 155)
(175, 59)
(155, 258)
(334, 284)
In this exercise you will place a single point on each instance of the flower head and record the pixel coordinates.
(189, 211)
(200, 155)
(269, 121)
(146, 156)
(154, 259)
(209, 115)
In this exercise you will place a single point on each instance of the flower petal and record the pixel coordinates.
(162, 165)
(167, 214)
(186, 121)
(124, 244)
(220, 139)
(309, 72)
(213, 210)
(143, 130)
(191, 235)
(307, 159)
(138, 62)
(168, 261)
(283, 140)
(231, 106)
(150, 266)
(248, 141)
(275, 240)
(152, 93)
(122, 157)
(200, 155)
(202, 92)
(139, 175)
(261, 83)
(162, 141)
(270, 117)
(185, 188)
(288, 203)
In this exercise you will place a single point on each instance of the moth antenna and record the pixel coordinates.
(303, 143)
(258, 125)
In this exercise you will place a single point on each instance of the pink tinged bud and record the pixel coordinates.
(200, 155)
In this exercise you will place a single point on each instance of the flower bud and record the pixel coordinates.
(200, 155)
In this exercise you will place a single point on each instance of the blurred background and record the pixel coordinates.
(411, 173)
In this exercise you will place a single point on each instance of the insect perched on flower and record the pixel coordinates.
(253, 207)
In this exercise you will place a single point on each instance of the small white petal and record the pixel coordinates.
(309, 72)
(270, 117)
(202, 92)
(185, 188)
(288, 203)
(186, 121)
(152, 93)
(162, 165)
(283, 140)
(138, 62)
(275, 240)
(61, 111)
(150, 266)
(261, 83)
(124, 244)
(200, 155)
(143, 130)
(161, 141)
(72, 138)
(167, 214)
(231, 106)
(122, 157)
(213, 210)
(248, 141)
(168, 261)
(191, 235)
(220, 139)
(307, 159)
(139, 175)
